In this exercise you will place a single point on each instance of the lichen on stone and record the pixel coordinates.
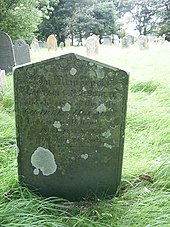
(43, 160)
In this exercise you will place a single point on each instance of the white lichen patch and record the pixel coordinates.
(100, 72)
(66, 108)
(101, 108)
(84, 89)
(84, 156)
(106, 134)
(107, 145)
(43, 160)
(57, 124)
(73, 71)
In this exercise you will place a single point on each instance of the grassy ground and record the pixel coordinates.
(144, 199)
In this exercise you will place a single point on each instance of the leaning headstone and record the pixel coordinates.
(52, 42)
(70, 126)
(22, 52)
(3, 82)
(143, 42)
(92, 45)
(7, 59)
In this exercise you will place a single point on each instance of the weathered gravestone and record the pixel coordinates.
(52, 42)
(70, 120)
(92, 45)
(143, 42)
(35, 45)
(107, 40)
(22, 52)
(124, 42)
(7, 59)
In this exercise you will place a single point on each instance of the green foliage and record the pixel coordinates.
(150, 16)
(79, 18)
(19, 18)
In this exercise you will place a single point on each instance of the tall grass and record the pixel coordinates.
(144, 195)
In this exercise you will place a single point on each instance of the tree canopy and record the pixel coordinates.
(79, 18)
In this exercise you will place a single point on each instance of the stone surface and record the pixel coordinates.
(70, 120)
(52, 42)
(3, 82)
(22, 52)
(107, 40)
(92, 45)
(124, 42)
(7, 59)
(35, 45)
(143, 42)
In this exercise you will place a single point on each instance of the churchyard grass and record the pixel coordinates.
(144, 195)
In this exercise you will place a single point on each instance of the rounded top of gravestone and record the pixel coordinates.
(20, 42)
(3, 34)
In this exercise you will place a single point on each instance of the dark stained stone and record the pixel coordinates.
(22, 52)
(7, 59)
(70, 121)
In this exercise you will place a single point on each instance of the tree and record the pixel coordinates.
(149, 15)
(19, 18)
(79, 18)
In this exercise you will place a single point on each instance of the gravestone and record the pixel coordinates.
(52, 42)
(22, 52)
(143, 42)
(107, 40)
(70, 126)
(67, 42)
(3, 82)
(124, 42)
(7, 59)
(92, 45)
(35, 45)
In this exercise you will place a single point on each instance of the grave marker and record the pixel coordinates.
(7, 59)
(52, 42)
(70, 120)
(22, 52)
(143, 42)
(92, 45)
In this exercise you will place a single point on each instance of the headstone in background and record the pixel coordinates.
(42, 44)
(22, 52)
(7, 59)
(92, 45)
(3, 82)
(116, 40)
(67, 42)
(52, 42)
(130, 40)
(143, 42)
(124, 42)
(35, 45)
(70, 126)
(107, 40)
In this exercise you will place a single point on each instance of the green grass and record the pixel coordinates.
(140, 203)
